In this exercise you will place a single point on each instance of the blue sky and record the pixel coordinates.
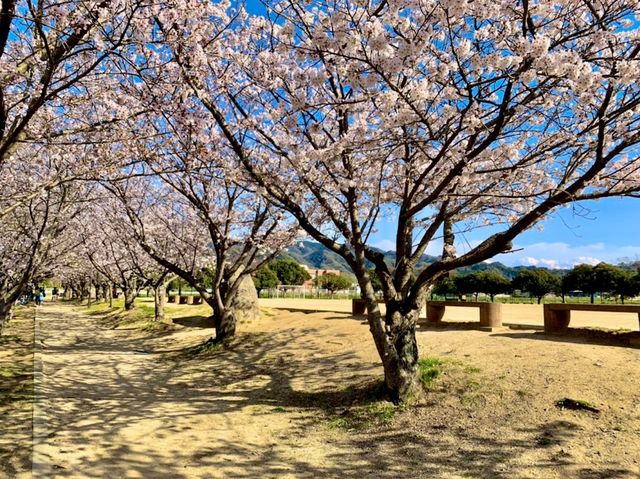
(606, 230)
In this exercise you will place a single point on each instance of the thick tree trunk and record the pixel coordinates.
(160, 297)
(395, 339)
(130, 293)
(225, 325)
(539, 299)
(85, 291)
(593, 297)
(242, 305)
(401, 361)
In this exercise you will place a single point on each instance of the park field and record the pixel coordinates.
(519, 315)
(296, 396)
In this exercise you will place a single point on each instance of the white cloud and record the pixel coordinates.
(565, 255)
(543, 254)
(587, 260)
(550, 263)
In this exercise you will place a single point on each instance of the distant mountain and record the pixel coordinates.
(316, 256)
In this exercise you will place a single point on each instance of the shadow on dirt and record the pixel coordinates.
(103, 392)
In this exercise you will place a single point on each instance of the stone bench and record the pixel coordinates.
(358, 305)
(185, 299)
(490, 313)
(558, 315)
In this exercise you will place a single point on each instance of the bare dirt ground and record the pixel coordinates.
(512, 314)
(292, 398)
(16, 395)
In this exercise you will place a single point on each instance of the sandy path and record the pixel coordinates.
(107, 409)
(110, 410)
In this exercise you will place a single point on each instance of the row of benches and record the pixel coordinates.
(189, 299)
(556, 316)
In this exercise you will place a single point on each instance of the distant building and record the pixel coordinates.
(316, 273)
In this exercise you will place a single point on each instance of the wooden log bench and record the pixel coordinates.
(558, 315)
(358, 305)
(490, 313)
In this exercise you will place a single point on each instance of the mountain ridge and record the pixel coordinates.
(316, 256)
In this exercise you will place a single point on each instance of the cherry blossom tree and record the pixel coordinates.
(35, 237)
(56, 100)
(56, 87)
(446, 116)
(113, 253)
(202, 226)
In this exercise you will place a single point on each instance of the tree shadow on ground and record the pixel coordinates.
(625, 339)
(113, 412)
(16, 394)
(194, 321)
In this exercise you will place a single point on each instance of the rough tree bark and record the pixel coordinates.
(160, 299)
(394, 335)
(130, 293)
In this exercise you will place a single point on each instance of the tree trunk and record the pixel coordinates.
(241, 304)
(225, 325)
(539, 299)
(400, 362)
(593, 297)
(395, 339)
(110, 293)
(130, 293)
(160, 292)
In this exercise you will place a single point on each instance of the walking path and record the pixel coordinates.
(110, 405)
(92, 387)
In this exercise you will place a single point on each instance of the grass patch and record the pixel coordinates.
(10, 372)
(369, 407)
(429, 369)
(375, 414)
(142, 317)
(207, 348)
